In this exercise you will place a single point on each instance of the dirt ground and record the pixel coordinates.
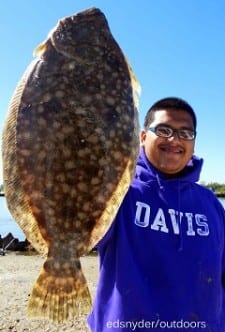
(17, 275)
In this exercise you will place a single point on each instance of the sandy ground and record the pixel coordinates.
(17, 275)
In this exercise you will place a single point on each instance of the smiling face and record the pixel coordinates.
(168, 155)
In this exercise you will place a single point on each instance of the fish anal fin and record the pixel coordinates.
(59, 293)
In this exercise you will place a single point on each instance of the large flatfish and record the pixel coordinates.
(70, 144)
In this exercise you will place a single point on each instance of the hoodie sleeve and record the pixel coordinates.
(223, 264)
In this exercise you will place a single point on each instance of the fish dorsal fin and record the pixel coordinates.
(135, 84)
(40, 49)
(16, 198)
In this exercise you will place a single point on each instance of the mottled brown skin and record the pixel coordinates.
(70, 144)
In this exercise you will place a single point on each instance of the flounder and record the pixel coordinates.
(70, 143)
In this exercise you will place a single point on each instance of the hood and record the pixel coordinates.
(146, 172)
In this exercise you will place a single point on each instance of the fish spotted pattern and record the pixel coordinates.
(70, 144)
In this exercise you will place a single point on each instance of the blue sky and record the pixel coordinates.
(175, 47)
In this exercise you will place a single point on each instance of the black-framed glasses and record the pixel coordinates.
(166, 131)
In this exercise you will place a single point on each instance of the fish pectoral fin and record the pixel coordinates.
(59, 293)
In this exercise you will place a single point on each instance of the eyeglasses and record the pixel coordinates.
(166, 131)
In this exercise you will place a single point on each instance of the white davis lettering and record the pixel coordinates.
(196, 224)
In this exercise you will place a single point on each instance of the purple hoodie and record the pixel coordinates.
(162, 262)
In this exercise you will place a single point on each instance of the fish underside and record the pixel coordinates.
(70, 143)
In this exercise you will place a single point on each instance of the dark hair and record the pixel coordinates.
(169, 103)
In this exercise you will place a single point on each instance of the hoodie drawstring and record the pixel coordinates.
(180, 246)
(179, 213)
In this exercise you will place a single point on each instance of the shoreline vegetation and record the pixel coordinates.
(218, 189)
(218, 194)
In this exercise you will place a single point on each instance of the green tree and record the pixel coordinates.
(217, 188)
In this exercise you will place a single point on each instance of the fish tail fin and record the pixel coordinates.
(60, 292)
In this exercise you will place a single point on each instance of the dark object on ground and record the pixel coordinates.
(9, 242)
